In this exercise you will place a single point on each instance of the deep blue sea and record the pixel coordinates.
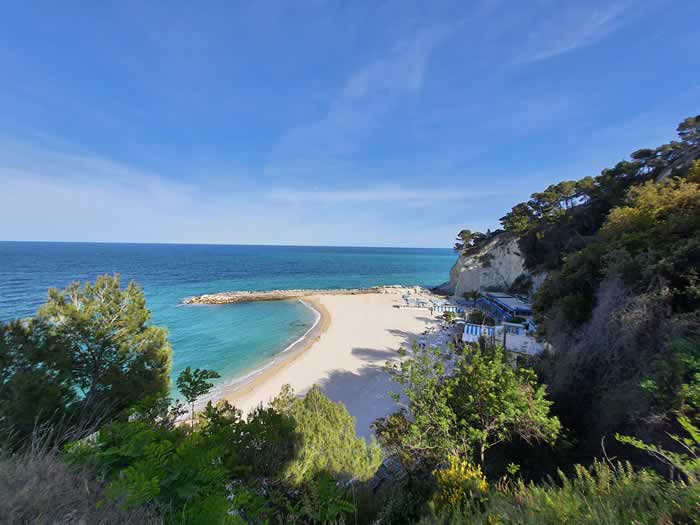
(233, 339)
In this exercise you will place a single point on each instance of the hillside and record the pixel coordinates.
(620, 300)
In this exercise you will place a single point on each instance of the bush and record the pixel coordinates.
(327, 435)
(289, 462)
(483, 402)
(176, 471)
(460, 482)
(600, 495)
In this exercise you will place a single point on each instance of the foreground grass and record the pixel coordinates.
(602, 495)
(37, 487)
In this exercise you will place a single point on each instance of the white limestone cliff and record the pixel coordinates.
(495, 265)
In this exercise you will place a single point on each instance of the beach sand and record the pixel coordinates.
(344, 354)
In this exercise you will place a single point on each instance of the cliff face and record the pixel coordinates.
(497, 264)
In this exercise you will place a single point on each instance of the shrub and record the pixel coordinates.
(686, 461)
(327, 435)
(522, 285)
(603, 494)
(482, 403)
(323, 501)
(459, 482)
(177, 471)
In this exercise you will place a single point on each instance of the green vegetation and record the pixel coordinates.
(278, 464)
(522, 285)
(469, 241)
(87, 431)
(195, 384)
(483, 402)
(89, 353)
(327, 432)
(620, 300)
(559, 220)
(478, 317)
(472, 296)
(603, 494)
(449, 317)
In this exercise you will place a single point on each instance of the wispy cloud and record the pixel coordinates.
(565, 29)
(24, 166)
(366, 98)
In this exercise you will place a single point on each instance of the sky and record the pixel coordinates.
(378, 123)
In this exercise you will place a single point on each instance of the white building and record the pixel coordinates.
(511, 336)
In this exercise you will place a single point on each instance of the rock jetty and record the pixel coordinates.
(284, 295)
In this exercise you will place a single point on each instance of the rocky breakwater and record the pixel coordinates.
(285, 295)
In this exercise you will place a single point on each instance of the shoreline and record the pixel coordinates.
(240, 387)
(344, 354)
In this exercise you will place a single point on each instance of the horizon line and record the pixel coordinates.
(230, 244)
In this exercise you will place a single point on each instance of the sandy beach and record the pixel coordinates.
(344, 355)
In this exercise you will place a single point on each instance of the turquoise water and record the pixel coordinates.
(232, 339)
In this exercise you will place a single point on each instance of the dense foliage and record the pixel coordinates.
(560, 219)
(482, 402)
(622, 310)
(89, 353)
(271, 466)
(327, 435)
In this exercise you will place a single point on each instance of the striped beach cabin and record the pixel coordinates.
(513, 336)
(442, 308)
(472, 332)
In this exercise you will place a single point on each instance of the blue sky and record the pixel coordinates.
(375, 123)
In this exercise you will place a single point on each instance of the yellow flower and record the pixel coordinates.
(459, 482)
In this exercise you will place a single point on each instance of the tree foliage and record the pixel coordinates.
(469, 241)
(652, 242)
(35, 379)
(89, 354)
(561, 219)
(193, 384)
(116, 356)
(481, 402)
(281, 463)
(328, 441)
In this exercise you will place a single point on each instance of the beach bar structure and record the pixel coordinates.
(502, 306)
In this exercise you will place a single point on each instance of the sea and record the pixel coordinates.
(236, 340)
